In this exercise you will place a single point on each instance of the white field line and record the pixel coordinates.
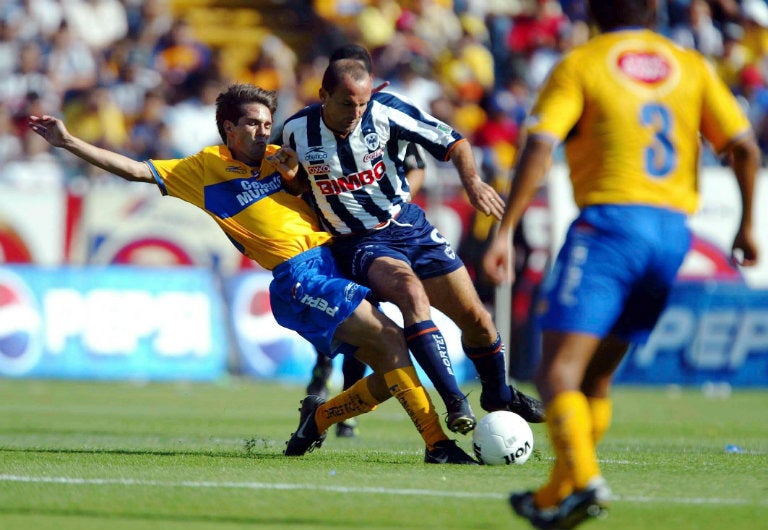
(76, 481)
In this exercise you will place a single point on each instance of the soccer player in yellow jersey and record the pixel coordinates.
(629, 106)
(237, 185)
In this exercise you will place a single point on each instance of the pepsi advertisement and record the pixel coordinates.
(711, 332)
(266, 350)
(111, 323)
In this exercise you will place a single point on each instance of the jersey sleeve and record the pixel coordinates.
(722, 119)
(182, 177)
(560, 102)
(410, 124)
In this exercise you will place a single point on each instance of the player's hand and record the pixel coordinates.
(486, 199)
(50, 128)
(744, 251)
(286, 161)
(498, 260)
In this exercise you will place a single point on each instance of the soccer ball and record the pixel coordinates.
(502, 437)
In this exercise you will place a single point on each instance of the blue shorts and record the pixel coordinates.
(309, 295)
(409, 238)
(614, 272)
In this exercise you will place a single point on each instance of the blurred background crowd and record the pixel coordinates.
(141, 76)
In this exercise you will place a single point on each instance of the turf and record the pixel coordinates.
(115, 455)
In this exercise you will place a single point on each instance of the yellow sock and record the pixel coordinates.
(352, 402)
(404, 384)
(569, 424)
(601, 410)
(559, 485)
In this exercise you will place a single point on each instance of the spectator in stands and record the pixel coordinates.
(183, 60)
(754, 96)
(10, 142)
(150, 136)
(100, 23)
(34, 19)
(191, 120)
(96, 118)
(28, 77)
(71, 64)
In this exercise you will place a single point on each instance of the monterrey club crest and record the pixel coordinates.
(371, 141)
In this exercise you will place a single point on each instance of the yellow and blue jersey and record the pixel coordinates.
(630, 105)
(266, 223)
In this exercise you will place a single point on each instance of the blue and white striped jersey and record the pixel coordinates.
(358, 181)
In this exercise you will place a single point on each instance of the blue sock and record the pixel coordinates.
(491, 368)
(428, 347)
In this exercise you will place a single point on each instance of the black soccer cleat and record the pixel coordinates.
(524, 505)
(591, 502)
(527, 407)
(346, 429)
(307, 437)
(447, 452)
(459, 417)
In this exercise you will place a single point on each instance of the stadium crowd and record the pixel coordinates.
(138, 77)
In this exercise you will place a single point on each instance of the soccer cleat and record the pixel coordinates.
(306, 437)
(460, 417)
(524, 505)
(527, 407)
(591, 502)
(573, 510)
(447, 452)
(346, 429)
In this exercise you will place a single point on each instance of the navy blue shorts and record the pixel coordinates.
(409, 238)
(309, 295)
(614, 271)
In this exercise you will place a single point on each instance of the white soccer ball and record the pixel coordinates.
(502, 437)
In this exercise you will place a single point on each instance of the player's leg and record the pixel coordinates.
(393, 280)
(595, 386)
(321, 374)
(381, 345)
(352, 370)
(455, 295)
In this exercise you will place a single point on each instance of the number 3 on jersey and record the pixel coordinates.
(660, 156)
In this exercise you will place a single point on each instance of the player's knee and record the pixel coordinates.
(477, 327)
(409, 296)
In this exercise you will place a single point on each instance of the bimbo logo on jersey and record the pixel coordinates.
(352, 182)
(20, 323)
(644, 67)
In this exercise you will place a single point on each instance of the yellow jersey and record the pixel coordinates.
(630, 105)
(265, 222)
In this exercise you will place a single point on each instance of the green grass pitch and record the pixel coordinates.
(117, 455)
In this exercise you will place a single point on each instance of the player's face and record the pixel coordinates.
(247, 139)
(343, 108)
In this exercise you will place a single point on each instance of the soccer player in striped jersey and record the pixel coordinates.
(350, 148)
(244, 193)
(351, 368)
(630, 106)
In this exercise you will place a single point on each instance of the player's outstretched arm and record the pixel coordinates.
(745, 160)
(535, 160)
(481, 195)
(55, 133)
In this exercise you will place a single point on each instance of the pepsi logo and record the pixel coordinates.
(20, 325)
